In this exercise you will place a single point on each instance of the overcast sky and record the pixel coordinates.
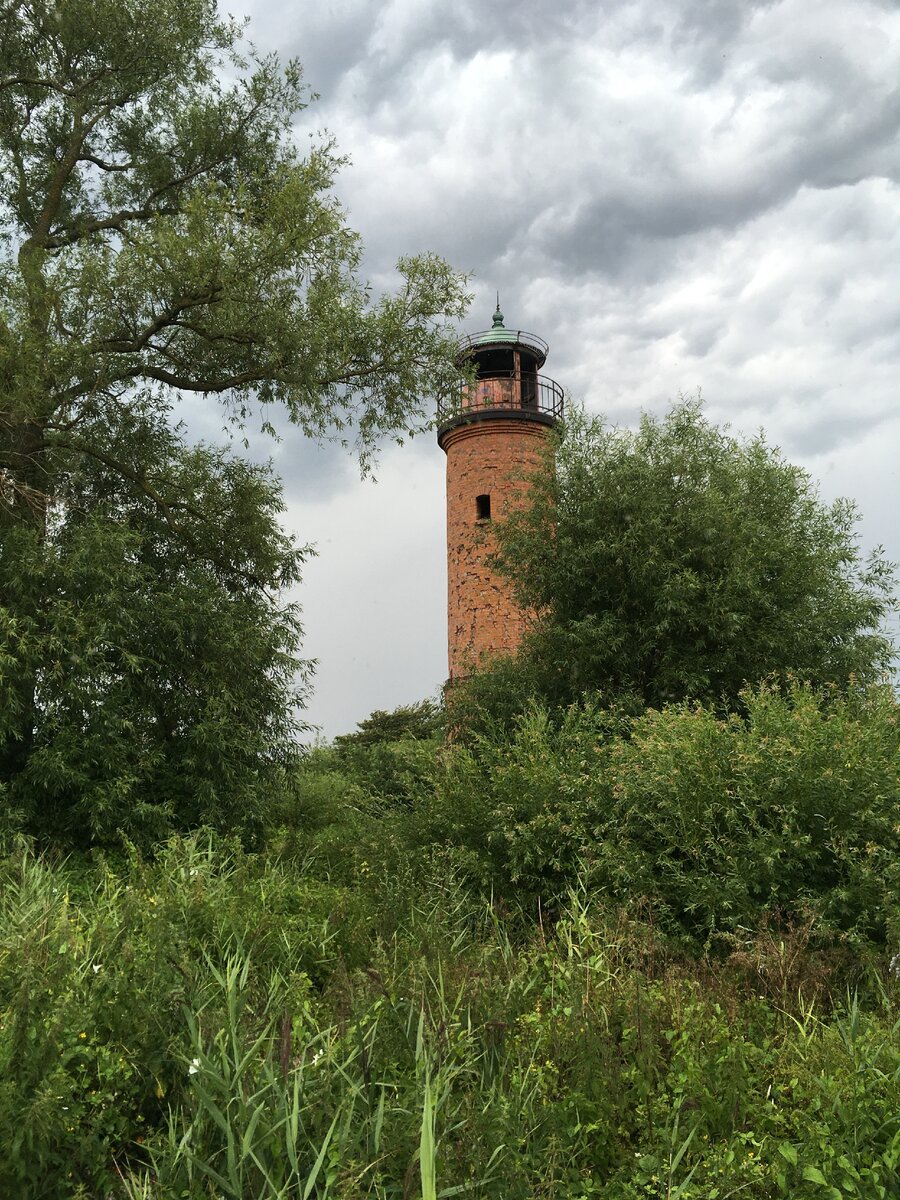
(675, 194)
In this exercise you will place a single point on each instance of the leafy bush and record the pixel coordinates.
(347, 811)
(792, 807)
(162, 685)
(423, 720)
(397, 772)
(715, 822)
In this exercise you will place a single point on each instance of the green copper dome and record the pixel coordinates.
(499, 335)
(497, 332)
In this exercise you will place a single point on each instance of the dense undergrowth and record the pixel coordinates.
(587, 958)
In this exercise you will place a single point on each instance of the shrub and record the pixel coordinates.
(717, 822)
(792, 807)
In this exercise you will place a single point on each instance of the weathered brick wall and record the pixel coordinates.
(483, 459)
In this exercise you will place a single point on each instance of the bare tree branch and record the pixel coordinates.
(106, 166)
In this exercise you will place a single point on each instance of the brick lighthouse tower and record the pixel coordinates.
(493, 434)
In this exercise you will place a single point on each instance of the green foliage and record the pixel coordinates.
(716, 823)
(409, 722)
(678, 563)
(390, 759)
(350, 820)
(793, 807)
(243, 1126)
(171, 236)
(494, 696)
(848, 1141)
(97, 971)
(166, 677)
(211, 1023)
(161, 236)
(393, 771)
(392, 756)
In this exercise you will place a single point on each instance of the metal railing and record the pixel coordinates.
(529, 393)
(502, 337)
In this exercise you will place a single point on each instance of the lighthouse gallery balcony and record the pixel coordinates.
(526, 396)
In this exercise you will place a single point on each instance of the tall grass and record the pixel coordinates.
(212, 1024)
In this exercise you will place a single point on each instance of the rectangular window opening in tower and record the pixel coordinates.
(483, 508)
(494, 364)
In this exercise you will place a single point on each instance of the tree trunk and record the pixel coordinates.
(23, 522)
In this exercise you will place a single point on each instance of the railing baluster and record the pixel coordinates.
(504, 393)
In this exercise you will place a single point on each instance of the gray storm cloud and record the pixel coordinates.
(677, 194)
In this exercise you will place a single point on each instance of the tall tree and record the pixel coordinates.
(162, 237)
(677, 562)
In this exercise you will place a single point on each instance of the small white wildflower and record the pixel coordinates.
(95, 967)
(194, 1067)
(894, 965)
(316, 1057)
